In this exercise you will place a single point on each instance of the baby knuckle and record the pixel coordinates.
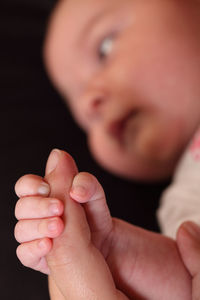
(23, 255)
(19, 253)
(19, 232)
(21, 180)
(18, 208)
(16, 232)
(27, 183)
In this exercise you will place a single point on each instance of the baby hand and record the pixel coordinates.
(127, 250)
(188, 241)
(40, 217)
(72, 252)
(39, 220)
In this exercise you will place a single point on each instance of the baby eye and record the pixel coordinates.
(105, 47)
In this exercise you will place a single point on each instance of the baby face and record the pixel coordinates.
(130, 72)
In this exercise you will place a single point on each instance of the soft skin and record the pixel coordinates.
(138, 100)
(92, 251)
(131, 70)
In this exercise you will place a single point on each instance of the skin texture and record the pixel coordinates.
(138, 101)
(128, 258)
(188, 241)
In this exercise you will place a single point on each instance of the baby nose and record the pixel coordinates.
(95, 106)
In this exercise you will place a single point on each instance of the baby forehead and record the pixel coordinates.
(73, 19)
(77, 13)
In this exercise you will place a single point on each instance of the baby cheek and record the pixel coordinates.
(156, 143)
(78, 114)
(102, 148)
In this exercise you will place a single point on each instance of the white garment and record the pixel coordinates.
(181, 200)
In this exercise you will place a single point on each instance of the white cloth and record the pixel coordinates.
(181, 200)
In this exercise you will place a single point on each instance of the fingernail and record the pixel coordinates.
(44, 189)
(79, 187)
(193, 229)
(54, 209)
(52, 225)
(52, 161)
(41, 244)
(78, 190)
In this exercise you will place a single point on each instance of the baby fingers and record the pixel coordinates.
(32, 254)
(38, 207)
(29, 230)
(29, 185)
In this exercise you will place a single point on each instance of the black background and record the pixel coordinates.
(33, 120)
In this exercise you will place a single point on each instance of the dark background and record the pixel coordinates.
(33, 120)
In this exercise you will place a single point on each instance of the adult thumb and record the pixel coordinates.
(77, 268)
(60, 171)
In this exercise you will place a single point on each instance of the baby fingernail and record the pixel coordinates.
(78, 190)
(193, 229)
(44, 189)
(79, 186)
(52, 161)
(52, 225)
(54, 209)
(41, 244)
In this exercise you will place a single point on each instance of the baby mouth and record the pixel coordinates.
(123, 129)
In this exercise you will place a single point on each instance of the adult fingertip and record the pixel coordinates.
(52, 161)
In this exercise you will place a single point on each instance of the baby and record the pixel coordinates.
(130, 70)
(131, 73)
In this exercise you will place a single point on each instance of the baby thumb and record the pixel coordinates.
(188, 241)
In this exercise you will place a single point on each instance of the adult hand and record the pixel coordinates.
(77, 268)
(147, 266)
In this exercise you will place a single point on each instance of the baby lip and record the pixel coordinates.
(116, 128)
